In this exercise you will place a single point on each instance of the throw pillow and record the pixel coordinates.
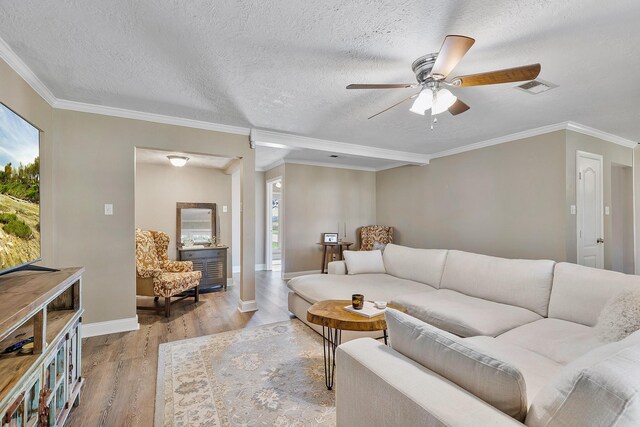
(496, 382)
(379, 246)
(620, 317)
(600, 388)
(363, 262)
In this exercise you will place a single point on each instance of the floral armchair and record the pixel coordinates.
(371, 234)
(157, 276)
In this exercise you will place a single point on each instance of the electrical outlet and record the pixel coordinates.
(606, 210)
(572, 209)
(224, 208)
(108, 209)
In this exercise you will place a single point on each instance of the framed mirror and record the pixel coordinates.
(196, 224)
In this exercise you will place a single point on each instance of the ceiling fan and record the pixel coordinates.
(431, 71)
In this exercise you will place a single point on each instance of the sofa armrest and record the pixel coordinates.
(406, 393)
(337, 267)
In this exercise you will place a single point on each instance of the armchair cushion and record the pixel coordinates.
(170, 284)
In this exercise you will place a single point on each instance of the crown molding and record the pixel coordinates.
(267, 138)
(572, 126)
(14, 61)
(64, 104)
(586, 130)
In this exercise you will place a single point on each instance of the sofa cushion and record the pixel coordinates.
(537, 370)
(461, 362)
(420, 265)
(318, 287)
(364, 262)
(519, 282)
(580, 293)
(556, 339)
(464, 315)
(620, 317)
(600, 388)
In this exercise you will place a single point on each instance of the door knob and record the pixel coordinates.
(600, 240)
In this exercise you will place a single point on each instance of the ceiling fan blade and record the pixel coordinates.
(452, 50)
(382, 86)
(394, 105)
(458, 107)
(517, 74)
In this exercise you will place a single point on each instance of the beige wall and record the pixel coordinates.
(94, 163)
(160, 187)
(16, 94)
(611, 153)
(504, 200)
(316, 199)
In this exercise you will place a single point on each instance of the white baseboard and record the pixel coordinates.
(110, 327)
(291, 275)
(259, 267)
(247, 306)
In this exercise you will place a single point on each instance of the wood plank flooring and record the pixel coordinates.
(120, 369)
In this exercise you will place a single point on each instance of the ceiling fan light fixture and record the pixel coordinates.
(423, 102)
(445, 99)
(178, 161)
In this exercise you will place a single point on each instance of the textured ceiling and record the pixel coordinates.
(283, 65)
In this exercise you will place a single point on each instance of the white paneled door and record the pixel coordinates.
(590, 207)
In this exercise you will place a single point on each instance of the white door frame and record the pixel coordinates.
(269, 223)
(579, 212)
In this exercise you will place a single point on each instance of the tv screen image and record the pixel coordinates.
(19, 191)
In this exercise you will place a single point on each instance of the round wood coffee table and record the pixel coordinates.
(334, 319)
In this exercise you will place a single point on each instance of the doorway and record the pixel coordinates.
(274, 210)
(622, 257)
(589, 198)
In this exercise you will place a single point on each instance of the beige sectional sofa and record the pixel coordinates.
(537, 315)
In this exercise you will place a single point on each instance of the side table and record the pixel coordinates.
(331, 248)
(331, 315)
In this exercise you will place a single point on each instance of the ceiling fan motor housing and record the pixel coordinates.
(422, 67)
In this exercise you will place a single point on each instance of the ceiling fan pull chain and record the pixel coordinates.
(433, 104)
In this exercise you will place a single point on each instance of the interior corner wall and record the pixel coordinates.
(17, 95)
(94, 164)
(316, 200)
(611, 153)
(260, 218)
(504, 200)
(160, 187)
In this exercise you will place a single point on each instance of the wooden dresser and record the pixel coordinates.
(38, 387)
(211, 261)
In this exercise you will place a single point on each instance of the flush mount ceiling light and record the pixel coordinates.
(178, 161)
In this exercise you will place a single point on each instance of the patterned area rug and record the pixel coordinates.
(272, 375)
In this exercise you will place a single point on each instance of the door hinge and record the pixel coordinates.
(579, 175)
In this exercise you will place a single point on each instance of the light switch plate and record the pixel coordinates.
(606, 210)
(572, 209)
(224, 208)
(108, 209)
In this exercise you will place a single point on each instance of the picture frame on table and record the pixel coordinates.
(329, 237)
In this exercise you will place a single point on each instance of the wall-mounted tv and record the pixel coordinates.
(19, 191)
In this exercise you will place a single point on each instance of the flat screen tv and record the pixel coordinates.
(19, 191)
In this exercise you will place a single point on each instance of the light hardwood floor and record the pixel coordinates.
(120, 369)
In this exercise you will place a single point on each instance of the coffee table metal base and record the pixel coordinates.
(331, 339)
